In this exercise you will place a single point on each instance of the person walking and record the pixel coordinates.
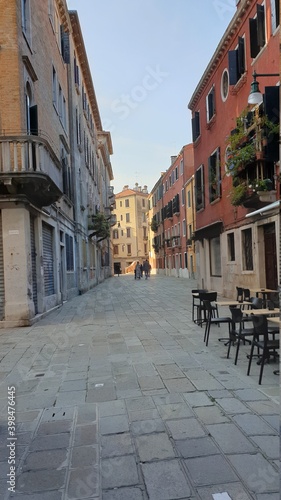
(138, 271)
(146, 267)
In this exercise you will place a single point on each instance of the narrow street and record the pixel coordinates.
(118, 398)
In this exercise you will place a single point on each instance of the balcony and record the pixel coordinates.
(30, 168)
(176, 242)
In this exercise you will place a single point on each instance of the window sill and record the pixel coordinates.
(197, 141)
(259, 54)
(211, 122)
(215, 201)
(238, 85)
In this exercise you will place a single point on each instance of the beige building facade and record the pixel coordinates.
(130, 233)
(51, 146)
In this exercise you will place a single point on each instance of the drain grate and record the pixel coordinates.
(40, 375)
(51, 414)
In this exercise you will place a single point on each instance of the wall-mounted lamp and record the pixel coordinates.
(255, 96)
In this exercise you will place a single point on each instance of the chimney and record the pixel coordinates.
(173, 158)
(125, 187)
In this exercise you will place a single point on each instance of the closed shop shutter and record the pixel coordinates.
(2, 286)
(33, 262)
(48, 259)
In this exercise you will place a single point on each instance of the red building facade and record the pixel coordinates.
(232, 240)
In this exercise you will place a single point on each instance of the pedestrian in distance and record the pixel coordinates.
(146, 268)
(138, 271)
(141, 269)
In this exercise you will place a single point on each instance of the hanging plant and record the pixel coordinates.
(154, 225)
(100, 226)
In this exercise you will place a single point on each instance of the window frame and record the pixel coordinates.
(247, 257)
(214, 193)
(210, 104)
(199, 189)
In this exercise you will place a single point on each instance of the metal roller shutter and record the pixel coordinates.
(2, 286)
(33, 262)
(48, 259)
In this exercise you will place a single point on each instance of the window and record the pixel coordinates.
(214, 176)
(120, 203)
(210, 104)
(231, 247)
(121, 217)
(127, 203)
(181, 167)
(69, 253)
(257, 31)
(143, 203)
(182, 196)
(145, 248)
(129, 249)
(127, 217)
(66, 174)
(215, 256)
(176, 173)
(128, 232)
(65, 47)
(170, 180)
(275, 14)
(236, 62)
(25, 19)
(76, 73)
(144, 232)
(199, 188)
(115, 249)
(185, 260)
(247, 250)
(195, 122)
(224, 85)
(167, 186)
(184, 227)
(189, 231)
(188, 199)
(115, 234)
(55, 88)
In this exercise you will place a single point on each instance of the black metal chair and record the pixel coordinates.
(239, 296)
(196, 303)
(211, 320)
(257, 303)
(212, 297)
(238, 332)
(261, 340)
(246, 298)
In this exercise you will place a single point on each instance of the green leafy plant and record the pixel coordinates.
(263, 185)
(100, 226)
(238, 194)
(154, 225)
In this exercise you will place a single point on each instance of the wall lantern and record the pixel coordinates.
(255, 96)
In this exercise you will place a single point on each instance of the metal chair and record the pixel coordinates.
(261, 340)
(239, 296)
(211, 320)
(238, 332)
(196, 303)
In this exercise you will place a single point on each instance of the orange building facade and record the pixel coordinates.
(237, 237)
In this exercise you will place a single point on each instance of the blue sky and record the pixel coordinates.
(146, 59)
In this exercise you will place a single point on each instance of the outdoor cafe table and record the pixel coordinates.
(275, 320)
(263, 292)
(232, 303)
(266, 312)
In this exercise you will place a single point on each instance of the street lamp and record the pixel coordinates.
(255, 96)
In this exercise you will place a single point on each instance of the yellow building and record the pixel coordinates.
(190, 226)
(130, 233)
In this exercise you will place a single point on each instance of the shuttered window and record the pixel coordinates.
(214, 175)
(257, 31)
(247, 250)
(236, 62)
(210, 104)
(195, 122)
(69, 253)
(48, 259)
(199, 188)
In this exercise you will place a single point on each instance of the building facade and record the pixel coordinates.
(130, 233)
(46, 256)
(172, 218)
(236, 154)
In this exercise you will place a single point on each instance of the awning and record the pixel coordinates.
(211, 231)
(261, 211)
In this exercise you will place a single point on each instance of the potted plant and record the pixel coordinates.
(265, 191)
(154, 225)
(100, 226)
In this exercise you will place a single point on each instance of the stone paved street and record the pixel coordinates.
(118, 398)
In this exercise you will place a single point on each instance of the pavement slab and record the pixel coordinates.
(134, 406)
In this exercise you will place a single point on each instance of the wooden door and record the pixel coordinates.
(270, 256)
